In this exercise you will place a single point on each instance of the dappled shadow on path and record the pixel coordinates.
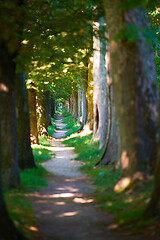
(66, 210)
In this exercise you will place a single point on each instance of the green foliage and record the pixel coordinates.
(130, 33)
(129, 4)
(57, 113)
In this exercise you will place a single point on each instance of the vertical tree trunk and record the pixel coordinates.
(134, 88)
(75, 103)
(103, 115)
(153, 208)
(41, 116)
(7, 229)
(72, 107)
(47, 107)
(10, 174)
(79, 104)
(112, 148)
(52, 106)
(32, 115)
(96, 86)
(84, 103)
(89, 95)
(25, 155)
(100, 87)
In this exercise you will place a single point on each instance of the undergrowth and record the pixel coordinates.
(19, 208)
(128, 206)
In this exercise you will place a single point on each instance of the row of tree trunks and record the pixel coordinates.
(41, 110)
(134, 89)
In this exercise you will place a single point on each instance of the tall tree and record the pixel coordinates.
(25, 155)
(32, 115)
(134, 85)
(10, 174)
(7, 229)
(100, 84)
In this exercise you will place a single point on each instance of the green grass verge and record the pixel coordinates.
(52, 129)
(71, 123)
(128, 206)
(19, 208)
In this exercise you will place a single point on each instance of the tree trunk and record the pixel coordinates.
(79, 104)
(112, 148)
(41, 116)
(96, 86)
(25, 155)
(84, 103)
(71, 104)
(7, 229)
(134, 88)
(47, 108)
(32, 115)
(100, 88)
(52, 106)
(89, 95)
(75, 103)
(10, 174)
(153, 208)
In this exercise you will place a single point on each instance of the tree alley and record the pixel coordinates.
(103, 71)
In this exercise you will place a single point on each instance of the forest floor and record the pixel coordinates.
(65, 209)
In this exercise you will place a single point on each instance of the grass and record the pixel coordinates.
(52, 129)
(128, 206)
(71, 123)
(19, 207)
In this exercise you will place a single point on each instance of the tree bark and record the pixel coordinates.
(79, 104)
(25, 155)
(84, 103)
(75, 103)
(47, 108)
(112, 149)
(10, 173)
(32, 115)
(52, 106)
(100, 88)
(153, 208)
(7, 229)
(41, 116)
(89, 95)
(134, 88)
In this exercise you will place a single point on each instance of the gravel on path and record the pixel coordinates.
(65, 210)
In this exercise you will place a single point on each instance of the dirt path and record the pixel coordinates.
(65, 209)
